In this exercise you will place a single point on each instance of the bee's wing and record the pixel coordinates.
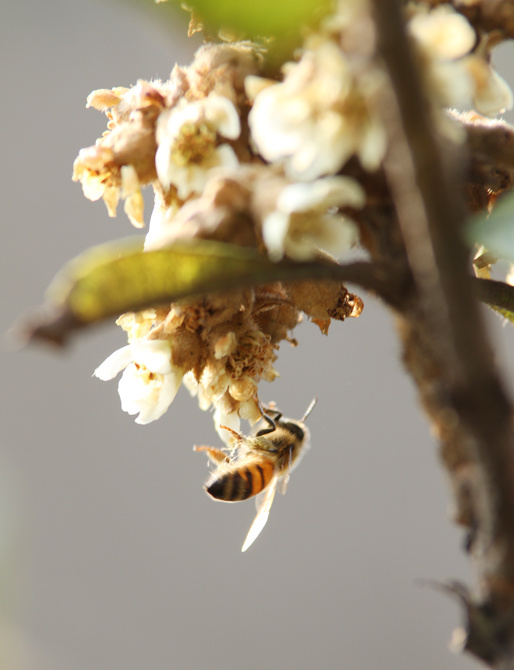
(284, 480)
(262, 514)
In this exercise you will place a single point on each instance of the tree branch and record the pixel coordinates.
(446, 349)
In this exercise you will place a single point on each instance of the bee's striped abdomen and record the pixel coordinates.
(242, 482)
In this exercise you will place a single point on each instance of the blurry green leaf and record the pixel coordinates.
(498, 295)
(259, 18)
(505, 313)
(496, 232)
(114, 278)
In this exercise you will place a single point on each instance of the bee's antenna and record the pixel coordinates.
(309, 409)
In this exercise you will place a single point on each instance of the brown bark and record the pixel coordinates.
(445, 348)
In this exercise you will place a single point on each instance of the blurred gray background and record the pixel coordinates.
(111, 555)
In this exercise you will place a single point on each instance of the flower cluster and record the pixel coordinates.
(235, 156)
(455, 62)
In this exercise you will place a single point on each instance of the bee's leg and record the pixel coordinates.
(237, 435)
(271, 410)
(215, 455)
(271, 422)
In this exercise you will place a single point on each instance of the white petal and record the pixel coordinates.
(204, 399)
(223, 114)
(189, 179)
(274, 231)
(191, 383)
(334, 234)
(226, 157)
(162, 163)
(343, 192)
(254, 85)
(373, 146)
(155, 355)
(148, 398)
(495, 97)
(161, 229)
(130, 388)
(250, 411)
(340, 234)
(150, 411)
(453, 82)
(443, 32)
(276, 122)
(114, 364)
(326, 145)
(323, 193)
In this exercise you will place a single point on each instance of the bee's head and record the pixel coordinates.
(296, 428)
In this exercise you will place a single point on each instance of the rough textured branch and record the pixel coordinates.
(445, 345)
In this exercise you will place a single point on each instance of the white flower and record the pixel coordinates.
(187, 138)
(302, 223)
(442, 38)
(317, 118)
(457, 73)
(443, 32)
(149, 382)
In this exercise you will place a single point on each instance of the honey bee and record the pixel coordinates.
(262, 463)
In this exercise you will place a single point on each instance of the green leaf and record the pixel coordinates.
(115, 278)
(505, 313)
(253, 19)
(498, 295)
(495, 232)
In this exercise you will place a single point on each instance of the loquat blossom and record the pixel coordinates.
(188, 147)
(456, 68)
(304, 223)
(317, 117)
(149, 382)
(190, 138)
(123, 159)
